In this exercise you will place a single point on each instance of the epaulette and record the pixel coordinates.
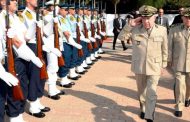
(72, 18)
(21, 18)
(28, 15)
(62, 20)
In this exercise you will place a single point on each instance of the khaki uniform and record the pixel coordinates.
(149, 56)
(179, 55)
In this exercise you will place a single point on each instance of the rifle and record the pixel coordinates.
(98, 32)
(17, 90)
(80, 51)
(103, 28)
(95, 45)
(43, 70)
(61, 61)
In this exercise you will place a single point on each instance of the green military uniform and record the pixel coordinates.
(179, 56)
(150, 52)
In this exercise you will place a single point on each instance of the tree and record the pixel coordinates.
(115, 2)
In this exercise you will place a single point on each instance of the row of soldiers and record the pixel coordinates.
(79, 45)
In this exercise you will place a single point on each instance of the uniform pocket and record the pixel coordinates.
(158, 39)
(157, 59)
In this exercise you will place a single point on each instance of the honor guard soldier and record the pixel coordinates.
(84, 41)
(36, 85)
(75, 58)
(52, 52)
(86, 26)
(7, 80)
(179, 61)
(90, 35)
(103, 30)
(69, 44)
(73, 24)
(149, 56)
(18, 33)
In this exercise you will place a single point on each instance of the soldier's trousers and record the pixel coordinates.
(14, 108)
(182, 89)
(3, 93)
(147, 86)
(36, 86)
(70, 59)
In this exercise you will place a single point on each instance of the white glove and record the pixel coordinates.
(73, 43)
(26, 53)
(97, 36)
(11, 33)
(39, 23)
(7, 77)
(85, 40)
(46, 48)
(102, 33)
(92, 39)
(31, 31)
(93, 21)
(56, 52)
(56, 20)
(53, 50)
(37, 61)
(85, 21)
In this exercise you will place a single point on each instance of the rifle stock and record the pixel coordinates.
(43, 70)
(95, 45)
(17, 90)
(98, 32)
(61, 61)
(103, 28)
(80, 51)
(89, 45)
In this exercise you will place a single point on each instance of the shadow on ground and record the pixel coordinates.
(106, 109)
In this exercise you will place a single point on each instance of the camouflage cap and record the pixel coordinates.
(186, 12)
(146, 10)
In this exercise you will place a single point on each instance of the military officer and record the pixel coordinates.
(179, 60)
(149, 56)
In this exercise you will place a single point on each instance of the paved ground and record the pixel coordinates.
(107, 93)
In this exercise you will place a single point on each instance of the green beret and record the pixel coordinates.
(148, 11)
(186, 12)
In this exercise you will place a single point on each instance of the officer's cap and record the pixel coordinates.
(21, 8)
(72, 6)
(147, 11)
(186, 12)
(51, 2)
(63, 6)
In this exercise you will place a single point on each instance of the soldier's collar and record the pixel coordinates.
(30, 11)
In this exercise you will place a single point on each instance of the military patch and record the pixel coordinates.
(21, 18)
(63, 20)
(28, 15)
(72, 18)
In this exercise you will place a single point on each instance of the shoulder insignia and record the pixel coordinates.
(21, 18)
(28, 15)
(72, 18)
(62, 20)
